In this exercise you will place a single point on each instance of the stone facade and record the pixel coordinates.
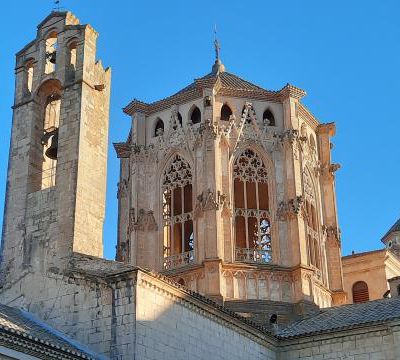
(207, 132)
(374, 268)
(185, 161)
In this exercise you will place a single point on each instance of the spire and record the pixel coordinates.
(218, 67)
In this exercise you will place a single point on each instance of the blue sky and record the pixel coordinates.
(345, 54)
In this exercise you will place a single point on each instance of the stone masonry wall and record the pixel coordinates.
(382, 343)
(96, 314)
(169, 327)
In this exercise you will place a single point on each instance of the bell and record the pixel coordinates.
(52, 56)
(51, 152)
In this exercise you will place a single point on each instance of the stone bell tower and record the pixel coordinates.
(56, 182)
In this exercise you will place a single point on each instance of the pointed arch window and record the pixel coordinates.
(251, 209)
(226, 112)
(360, 292)
(314, 248)
(195, 116)
(159, 128)
(268, 118)
(177, 200)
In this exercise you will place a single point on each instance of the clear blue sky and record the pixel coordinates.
(345, 54)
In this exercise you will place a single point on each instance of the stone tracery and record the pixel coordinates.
(251, 209)
(178, 214)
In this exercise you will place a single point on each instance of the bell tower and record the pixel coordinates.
(56, 181)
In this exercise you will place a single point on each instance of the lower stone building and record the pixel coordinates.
(228, 241)
(367, 275)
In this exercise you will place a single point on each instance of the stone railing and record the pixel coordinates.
(257, 256)
(178, 260)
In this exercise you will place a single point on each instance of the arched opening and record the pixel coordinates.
(311, 219)
(29, 76)
(51, 53)
(360, 292)
(251, 209)
(268, 118)
(180, 118)
(195, 116)
(71, 60)
(44, 151)
(177, 200)
(159, 128)
(226, 112)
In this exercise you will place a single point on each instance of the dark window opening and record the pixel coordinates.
(268, 118)
(195, 117)
(159, 129)
(226, 112)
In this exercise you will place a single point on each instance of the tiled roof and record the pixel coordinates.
(395, 227)
(344, 317)
(228, 84)
(34, 333)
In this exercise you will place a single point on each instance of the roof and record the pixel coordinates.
(34, 334)
(344, 317)
(394, 228)
(226, 84)
(365, 253)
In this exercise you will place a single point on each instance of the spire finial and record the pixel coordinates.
(218, 66)
(216, 44)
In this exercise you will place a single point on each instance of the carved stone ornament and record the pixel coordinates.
(333, 233)
(145, 220)
(290, 209)
(208, 201)
(248, 129)
(330, 169)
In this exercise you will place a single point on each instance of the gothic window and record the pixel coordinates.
(159, 128)
(180, 118)
(51, 53)
(226, 112)
(314, 248)
(195, 116)
(177, 201)
(268, 118)
(251, 209)
(360, 292)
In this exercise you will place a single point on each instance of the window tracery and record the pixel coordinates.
(177, 202)
(251, 209)
(314, 247)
